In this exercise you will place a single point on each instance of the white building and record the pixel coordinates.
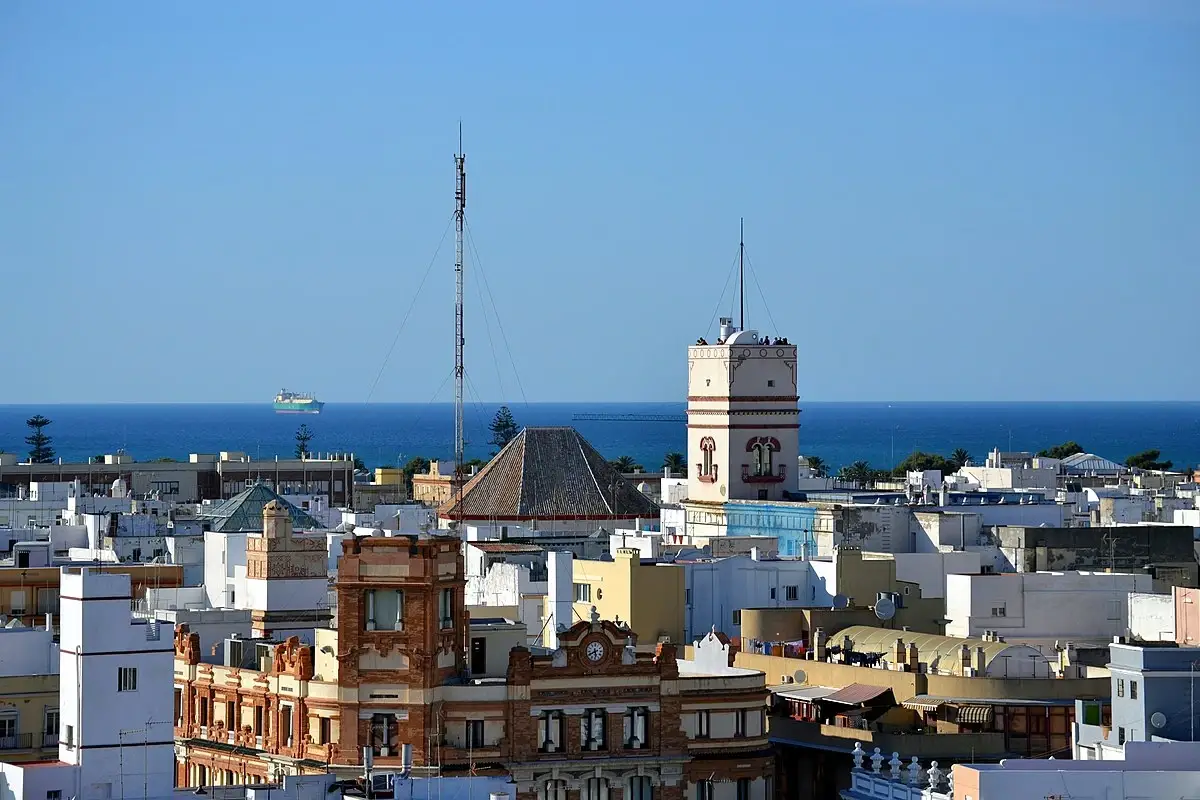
(115, 696)
(1152, 617)
(1042, 608)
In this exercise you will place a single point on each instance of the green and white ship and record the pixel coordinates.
(292, 403)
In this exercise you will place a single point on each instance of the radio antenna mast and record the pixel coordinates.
(742, 271)
(460, 207)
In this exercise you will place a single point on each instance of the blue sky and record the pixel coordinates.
(943, 200)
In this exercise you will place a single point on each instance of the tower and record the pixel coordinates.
(115, 690)
(743, 413)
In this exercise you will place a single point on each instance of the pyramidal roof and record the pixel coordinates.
(244, 511)
(549, 473)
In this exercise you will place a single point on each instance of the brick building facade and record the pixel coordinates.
(592, 720)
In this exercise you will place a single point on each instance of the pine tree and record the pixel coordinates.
(303, 437)
(40, 450)
(503, 427)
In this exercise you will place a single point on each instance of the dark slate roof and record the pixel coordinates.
(244, 511)
(549, 473)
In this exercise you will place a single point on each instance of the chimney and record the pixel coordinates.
(965, 658)
(913, 656)
(980, 662)
(899, 655)
(819, 644)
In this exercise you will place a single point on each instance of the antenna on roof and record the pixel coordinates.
(460, 210)
(742, 271)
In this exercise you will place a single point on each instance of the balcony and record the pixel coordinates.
(710, 477)
(49, 741)
(747, 477)
(19, 741)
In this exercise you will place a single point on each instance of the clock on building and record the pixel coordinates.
(594, 652)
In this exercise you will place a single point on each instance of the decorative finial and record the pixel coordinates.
(914, 772)
(595, 615)
(858, 755)
(895, 764)
(877, 761)
(934, 774)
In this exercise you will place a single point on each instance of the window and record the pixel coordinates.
(640, 788)
(553, 790)
(475, 733)
(1120, 687)
(703, 724)
(324, 730)
(635, 728)
(285, 724)
(47, 601)
(50, 728)
(999, 611)
(550, 732)
(127, 679)
(737, 616)
(54, 794)
(708, 470)
(1120, 736)
(743, 789)
(258, 720)
(385, 610)
(446, 608)
(770, 383)
(583, 592)
(704, 790)
(687, 596)
(772, 592)
(594, 789)
(591, 730)
(1133, 690)
(791, 592)
(69, 738)
(8, 730)
(739, 723)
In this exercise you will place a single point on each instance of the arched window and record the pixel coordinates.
(707, 469)
(553, 790)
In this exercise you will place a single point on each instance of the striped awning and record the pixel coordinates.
(974, 715)
(923, 703)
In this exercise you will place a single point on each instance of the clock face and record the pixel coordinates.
(595, 652)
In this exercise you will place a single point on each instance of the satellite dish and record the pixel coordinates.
(840, 601)
(1158, 720)
(801, 676)
(885, 608)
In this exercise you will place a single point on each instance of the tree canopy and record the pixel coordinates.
(818, 466)
(1148, 460)
(919, 462)
(40, 451)
(303, 437)
(503, 427)
(626, 464)
(1061, 451)
(675, 463)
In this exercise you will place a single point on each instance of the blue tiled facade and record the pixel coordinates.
(793, 525)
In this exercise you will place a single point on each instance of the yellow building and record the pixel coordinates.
(28, 695)
(647, 596)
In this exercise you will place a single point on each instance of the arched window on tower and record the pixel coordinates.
(761, 469)
(707, 469)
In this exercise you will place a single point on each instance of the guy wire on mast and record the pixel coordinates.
(460, 206)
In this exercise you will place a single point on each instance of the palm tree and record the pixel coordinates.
(625, 465)
(960, 458)
(859, 473)
(675, 463)
(818, 466)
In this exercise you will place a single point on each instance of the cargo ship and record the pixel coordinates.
(292, 403)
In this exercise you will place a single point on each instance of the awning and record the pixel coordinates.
(857, 693)
(803, 693)
(974, 715)
(924, 702)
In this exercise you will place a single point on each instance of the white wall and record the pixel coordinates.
(716, 589)
(28, 651)
(1040, 608)
(223, 552)
(284, 594)
(929, 570)
(1152, 617)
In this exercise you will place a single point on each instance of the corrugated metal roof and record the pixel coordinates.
(857, 693)
(792, 691)
(941, 653)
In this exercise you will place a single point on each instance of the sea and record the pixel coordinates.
(381, 434)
